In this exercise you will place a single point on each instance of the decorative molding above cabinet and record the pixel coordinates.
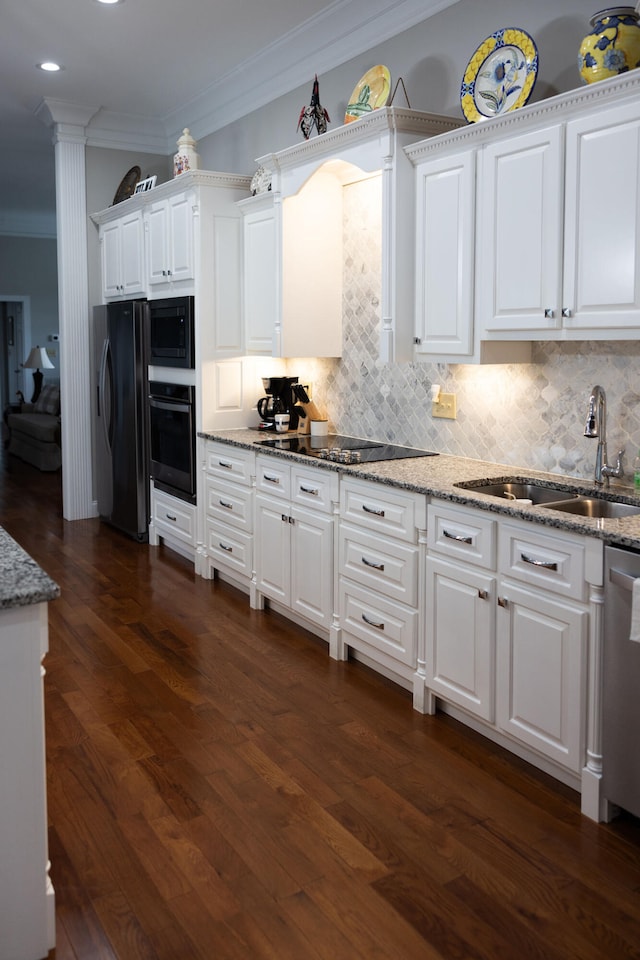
(305, 203)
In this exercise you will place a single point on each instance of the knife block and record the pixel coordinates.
(309, 412)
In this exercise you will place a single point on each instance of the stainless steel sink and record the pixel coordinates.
(518, 490)
(594, 507)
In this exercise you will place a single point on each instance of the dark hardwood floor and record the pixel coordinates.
(219, 789)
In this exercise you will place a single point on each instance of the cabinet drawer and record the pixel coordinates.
(462, 533)
(230, 463)
(378, 623)
(228, 547)
(382, 509)
(314, 488)
(174, 517)
(273, 477)
(229, 504)
(382, 565)
(549, 561)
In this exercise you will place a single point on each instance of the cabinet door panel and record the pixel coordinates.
(272, 549)
(111, 274)
(180, 239)
(520, 235)
(460, 631)
(312, 566)
(261, 266)
(541, 660)
(445, 262)
(602, 259)
(158, 234)
(132, 255)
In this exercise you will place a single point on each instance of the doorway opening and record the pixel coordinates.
(15, 335)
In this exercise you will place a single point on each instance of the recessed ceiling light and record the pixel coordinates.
(50, 66)
(110, 1)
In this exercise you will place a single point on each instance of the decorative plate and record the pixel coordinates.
(261, 181)
(370, 93)
(500, 75)
(127, 185)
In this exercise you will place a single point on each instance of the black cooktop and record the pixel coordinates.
(342, 449)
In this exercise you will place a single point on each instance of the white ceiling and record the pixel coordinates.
(139, 63)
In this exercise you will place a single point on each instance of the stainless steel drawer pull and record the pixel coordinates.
(223, 463)
(621, 579)
(546, 564)
(225, 547)
(169, 517)
(311, 490)
(372, 623)
(375, 510)
(225, 504)
(457, 537)
(372, 563)
(270, 478)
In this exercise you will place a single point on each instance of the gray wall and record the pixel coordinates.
(29, 268)
(431, 58)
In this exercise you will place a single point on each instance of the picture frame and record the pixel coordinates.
(144, 185)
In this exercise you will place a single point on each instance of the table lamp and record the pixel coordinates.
(36, 359)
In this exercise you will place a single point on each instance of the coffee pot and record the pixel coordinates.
(279, 399)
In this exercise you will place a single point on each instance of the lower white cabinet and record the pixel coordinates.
(507, 628)
(460, 625)
(228, 512)
(294, 538)
(174, 521)
(379, 584)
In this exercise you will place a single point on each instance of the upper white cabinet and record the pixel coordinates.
(445, 243)
(171, 243)
(560, 256)
(555, 249)
(122, 253)
(307, 227)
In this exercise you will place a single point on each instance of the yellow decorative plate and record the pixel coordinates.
(500, 75)
(371, 92)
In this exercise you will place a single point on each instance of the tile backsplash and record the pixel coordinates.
(525, 415)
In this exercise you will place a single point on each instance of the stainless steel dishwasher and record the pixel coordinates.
(621, 705)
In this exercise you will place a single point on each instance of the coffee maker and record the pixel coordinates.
(279, 399)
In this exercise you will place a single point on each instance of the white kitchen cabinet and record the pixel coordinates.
(507, 627)
(229, 509)
(122, 253)
(559, 240)
(173, 521)
(380, 559)
(261, 280)
(445, 262)
(171, 245)
(541, 673)
(309, 181)
(294, 539)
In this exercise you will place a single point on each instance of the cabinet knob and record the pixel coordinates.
(549, 313)
(567, 312)
(503, 602)
(483, 594)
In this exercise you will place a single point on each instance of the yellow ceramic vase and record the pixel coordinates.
(612, 47)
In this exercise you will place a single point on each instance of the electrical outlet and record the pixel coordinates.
(445, 407)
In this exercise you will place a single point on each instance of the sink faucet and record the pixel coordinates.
(596, 427)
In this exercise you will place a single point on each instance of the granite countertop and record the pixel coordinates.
(437, 476)
(22, 581)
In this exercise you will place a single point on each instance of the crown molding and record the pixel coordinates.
(274, 73)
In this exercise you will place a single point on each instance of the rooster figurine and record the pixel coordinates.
(313, 115)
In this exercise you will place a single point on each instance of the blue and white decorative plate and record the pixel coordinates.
(500, 75)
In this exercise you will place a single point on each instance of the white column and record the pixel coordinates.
(69, 122)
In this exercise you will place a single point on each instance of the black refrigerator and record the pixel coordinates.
(121, 421)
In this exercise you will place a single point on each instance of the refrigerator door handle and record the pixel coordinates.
(106, 368)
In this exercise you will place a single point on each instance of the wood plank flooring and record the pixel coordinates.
(219, 789)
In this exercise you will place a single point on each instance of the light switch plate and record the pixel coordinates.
(445, 407)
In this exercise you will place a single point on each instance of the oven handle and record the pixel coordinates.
(176, 406)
